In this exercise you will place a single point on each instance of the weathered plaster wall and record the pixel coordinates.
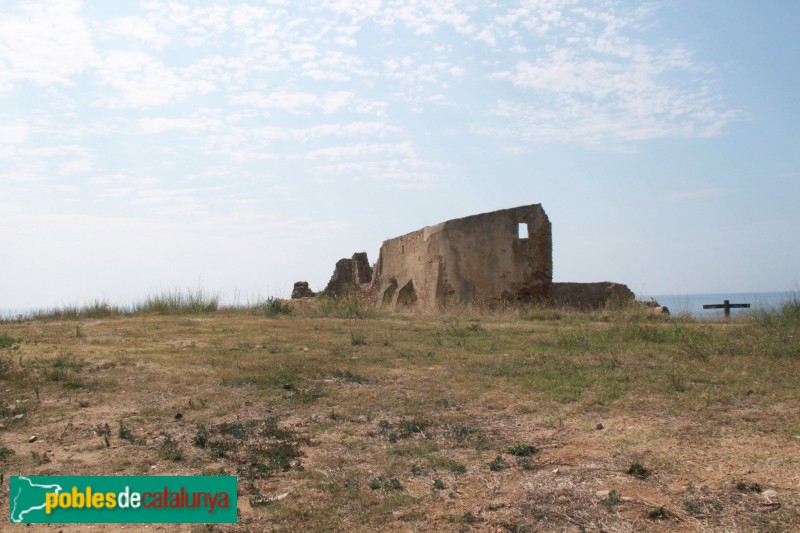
(479, 258)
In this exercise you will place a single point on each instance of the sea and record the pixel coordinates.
(692, 304)
(678, 304)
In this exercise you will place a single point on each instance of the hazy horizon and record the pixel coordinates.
(238, 148)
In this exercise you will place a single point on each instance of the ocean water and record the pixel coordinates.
(13, 312)
(692, 304)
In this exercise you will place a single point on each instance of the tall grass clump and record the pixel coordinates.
(272, 307)
(346, 306)
(790, 308)
(177, 302)
(96, 309)
(8, 345)
(774, 331)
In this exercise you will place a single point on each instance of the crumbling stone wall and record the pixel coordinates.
(301, 290)
(349, 274)
(588, 296)
(480, 258)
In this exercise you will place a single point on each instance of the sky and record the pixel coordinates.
(239, 147)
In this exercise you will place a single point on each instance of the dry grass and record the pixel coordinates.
(339, 418)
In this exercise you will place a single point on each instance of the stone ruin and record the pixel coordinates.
(504, 255)
(301, 290)
(350, 274)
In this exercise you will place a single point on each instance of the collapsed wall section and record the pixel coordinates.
(588, 296)
(349, 274)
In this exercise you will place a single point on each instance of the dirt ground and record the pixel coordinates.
(414, 423)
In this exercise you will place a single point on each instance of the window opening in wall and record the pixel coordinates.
(522, 231)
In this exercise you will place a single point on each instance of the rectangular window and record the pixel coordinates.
(523, 230)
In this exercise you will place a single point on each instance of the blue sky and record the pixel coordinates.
(239, 147)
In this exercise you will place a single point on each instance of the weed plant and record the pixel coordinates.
(273, 307)
(170, 449)
(177, 302)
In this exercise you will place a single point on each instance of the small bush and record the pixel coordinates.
(637, 470)
(102, 430)
(5, 365)
(386, 484)
(220, 447)
(200, 438)
(611, 500)
(523, 450)
(525, 463)
(234, 429)
(348, 376)
(274, 307)
(358, 339)
(469, 518)
(456, 467)
(125, 433)
(676, 379)
(5, 453)
(8, 343)
(272, 431)
(497, 464)
(701, 502)
(169, 449)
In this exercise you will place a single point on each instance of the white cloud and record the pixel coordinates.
(595, 83)
(357, 10)
(311, 71)
(143, 29)
(362, 150)
(194, 124)
(78, 166)
(332, 102)
(47, 43)
(424, 18)
(300, 52)
(141, 79)
(296, 101)
(14, 132)
(199, 25)
(394, 172)
(417, 75)
(372, 107)
(120, 178)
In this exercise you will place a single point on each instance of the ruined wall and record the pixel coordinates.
(349, 274)
(588, 296)
(301, 290)
(480, 258)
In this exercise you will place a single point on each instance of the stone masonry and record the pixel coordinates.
(349, 274)
(480, 258)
